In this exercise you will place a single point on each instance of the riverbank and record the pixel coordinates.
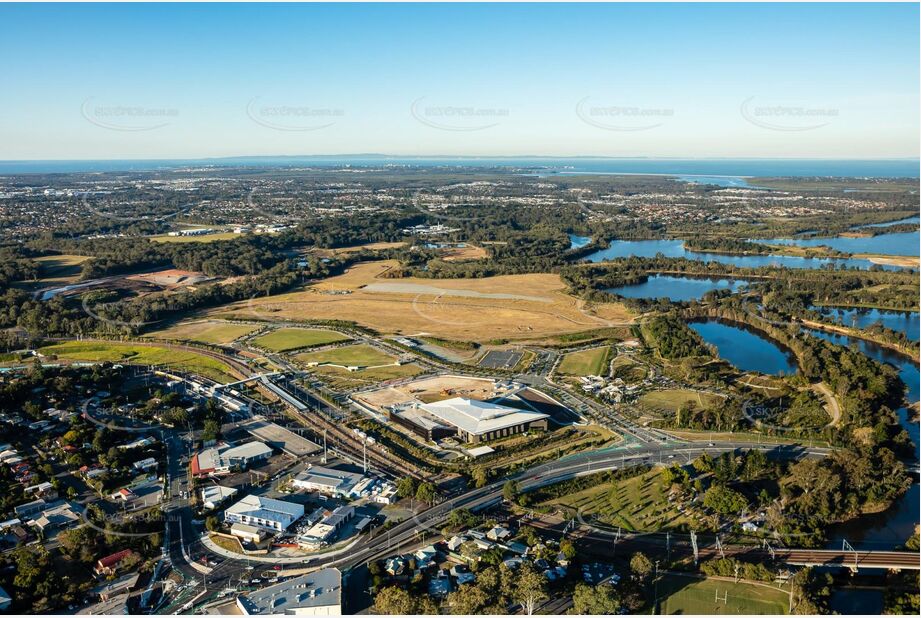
(913, 354)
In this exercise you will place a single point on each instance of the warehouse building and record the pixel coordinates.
(480, 421)
(327, 481)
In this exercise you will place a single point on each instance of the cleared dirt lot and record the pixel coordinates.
(435, 388)
(513, 307)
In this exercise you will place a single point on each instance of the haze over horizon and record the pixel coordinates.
(142, 82)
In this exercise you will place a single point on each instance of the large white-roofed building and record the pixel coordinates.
(266, 513)
(315, 594)
(480, 421)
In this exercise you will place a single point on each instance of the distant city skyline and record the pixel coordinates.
(421, 80)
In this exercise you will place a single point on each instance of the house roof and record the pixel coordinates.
(479, 417)
(113, 559)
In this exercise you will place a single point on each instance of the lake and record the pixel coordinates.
(577, 242)
(674, 248)
(914, 219)
(901, 243)
(745, 349)
(906, 322)
(676, 288)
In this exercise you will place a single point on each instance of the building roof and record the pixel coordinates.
(246, 529)
(113, 559)
(479, 417)
(250, 450)
(216, 493)
(319, 589)
(266, 508)
(340, 480)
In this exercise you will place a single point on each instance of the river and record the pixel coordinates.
(676, 289)
(675, 248)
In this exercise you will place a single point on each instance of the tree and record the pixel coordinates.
(568, 549)
(426, 492)
(530, 588)
(641, 565)
(212, 523)
(406, 487)
(480, 477)
(595, 600)
(468, 600)
(510, 490)
(724, 501)
(394, 601)
(703, 464)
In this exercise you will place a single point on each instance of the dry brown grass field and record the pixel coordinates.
(514, 307)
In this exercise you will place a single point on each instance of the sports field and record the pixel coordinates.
(512, 307)
(360, 355)
(687, 595)
(181, 360)
(638, 504)
(209, 331)
(285, 339)
(592, 362)
(670, 401)
(377, 365)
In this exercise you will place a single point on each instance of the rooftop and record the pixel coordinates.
(479, 417)
(266, 508)
(319, 589)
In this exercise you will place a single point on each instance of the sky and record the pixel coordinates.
(119, 81)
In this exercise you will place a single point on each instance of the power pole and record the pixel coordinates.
(694, 545)
(324, 447)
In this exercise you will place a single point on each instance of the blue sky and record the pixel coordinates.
(677, 80)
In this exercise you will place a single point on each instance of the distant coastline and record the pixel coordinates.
(716, 167)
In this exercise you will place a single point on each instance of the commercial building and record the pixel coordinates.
(420, 423)
(213, 495)
(480, 421)
(265, 513)
(247, 532)
(327, 481)
(314, 594)
(322, 532)
(223, 459)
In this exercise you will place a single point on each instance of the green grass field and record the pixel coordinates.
(687, 595)
(670, 400)
(55, 266)
(342, 379)
(636, 504)
(360, 355)
(182, 360)
(628, 370)
(285, 339)
(205, 332)
(591, 362)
